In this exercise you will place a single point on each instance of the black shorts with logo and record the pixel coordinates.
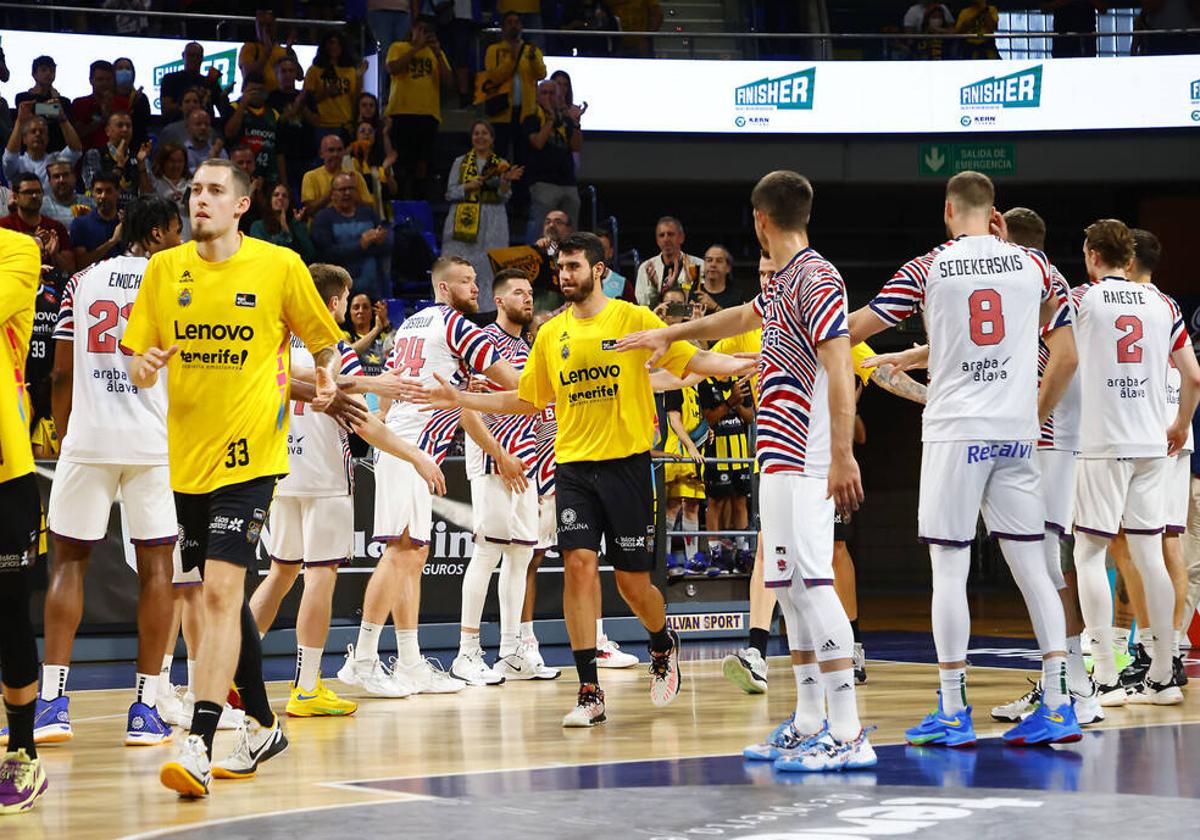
(722, 484)
(841, 527)
(224, 524)
(19, 523)
(610, 498)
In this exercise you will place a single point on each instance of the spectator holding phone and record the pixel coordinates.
(53, 105)
(554, 140)
(351, 235)
(419, 71)
(507, 86)
(34, 132)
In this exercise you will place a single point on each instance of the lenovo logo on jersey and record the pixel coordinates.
(588, 374)
(214, 332)
(1016, 90)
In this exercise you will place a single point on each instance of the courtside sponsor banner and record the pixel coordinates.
(885, 97)
(152, 59)
(706, 622)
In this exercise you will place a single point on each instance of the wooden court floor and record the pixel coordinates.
(101, 789)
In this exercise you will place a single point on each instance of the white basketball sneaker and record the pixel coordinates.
(371, 676)
(1087, 705)
(428, 677)
(534, 655)
(469, 667)
(747, 670)
(610, 655)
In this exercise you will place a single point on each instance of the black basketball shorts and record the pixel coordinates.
(224, 524)
(613, 499)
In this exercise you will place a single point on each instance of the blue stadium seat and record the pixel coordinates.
(418, 214)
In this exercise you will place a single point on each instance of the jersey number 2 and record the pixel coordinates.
(987, 317)
(409, 354)
(99, 337)
(1128, 350)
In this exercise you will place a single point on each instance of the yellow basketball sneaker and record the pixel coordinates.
(321, 702)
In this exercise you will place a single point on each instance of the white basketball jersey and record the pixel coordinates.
(112, 421)
(981, 298)
(319, 462)
(438, 339)
(1173, 382)
(517, 433)
(1125, 333)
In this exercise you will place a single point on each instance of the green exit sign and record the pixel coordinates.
(946, 159)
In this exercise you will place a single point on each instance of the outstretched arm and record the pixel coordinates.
(728, 322)
(864, 323)
(443, 395)
(719, 365)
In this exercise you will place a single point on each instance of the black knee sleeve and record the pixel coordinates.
(18, 645)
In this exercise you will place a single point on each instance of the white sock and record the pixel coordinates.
(1144, 637)
(1175, 644)
(1054, 681)
(54, 681)
(191, 666)
(367, 646)
(468, 642)
(810, 698)
(599, 630)
(527, 635)
(512, 595)
(954, 689)
(1120, 637)
(691, 523)
(1077, 676)
(840, 699)
(485, 557)
(308, 667)
(165, 671)
(146, 689)
(408, 649)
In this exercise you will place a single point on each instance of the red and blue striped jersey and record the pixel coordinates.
(981, 298)
(437, 339)
(804, 306)
(1061, 429)
(545, 463)
(515, 432)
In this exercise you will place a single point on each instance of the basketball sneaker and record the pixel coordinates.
(675, 565)
(256, 744)
(1112, 694)
(170, 705)
(145, 728)
(941, 729)
(1179, 677)
(1046, 726)
(190, 773)
(665, 679)
(1087, 706)
(22, 782)
(471, 669)
(698, 564)
(1133, 673)
(371, 676)
(534, 655)
(521, 664)
(51, 722)
(321, 702)
(428, 677)
(181, 714)
(825, 753)
(783, 740)
(860, 664)
(747, 670)
(1157, 694)
(589, 708)
(610, 655)
(1022, 707)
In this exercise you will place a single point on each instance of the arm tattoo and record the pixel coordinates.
(895, 382)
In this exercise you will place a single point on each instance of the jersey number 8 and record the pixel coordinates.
(987, 317)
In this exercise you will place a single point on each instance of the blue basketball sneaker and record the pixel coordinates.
(145, 728)
(941, 729)
(675, 566)
(699, 564)
(824, 753)
(51, 722)
(1046, 726)
(783, 739)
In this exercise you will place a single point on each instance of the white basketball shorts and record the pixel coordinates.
(547, 523)
(1057, 468)
(313, 530)
(962, 478)
(403, 502)
(82, 496)
(797, 529)
(502, 516)
(1112, 493)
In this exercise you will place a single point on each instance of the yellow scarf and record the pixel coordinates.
(466, 213)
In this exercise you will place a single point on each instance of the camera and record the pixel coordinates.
(48, 110)
(678, 310)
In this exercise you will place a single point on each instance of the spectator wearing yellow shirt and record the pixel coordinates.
(316, 186)
(512, 68)
(637, 16)
(333, 84)
(529, 10)
(419, 69)
(981, 19)
(263, 54)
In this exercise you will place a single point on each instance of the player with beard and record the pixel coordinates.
(506, 522)
(434, 342)
(605, 410)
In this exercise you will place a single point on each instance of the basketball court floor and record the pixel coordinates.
(495, 763)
